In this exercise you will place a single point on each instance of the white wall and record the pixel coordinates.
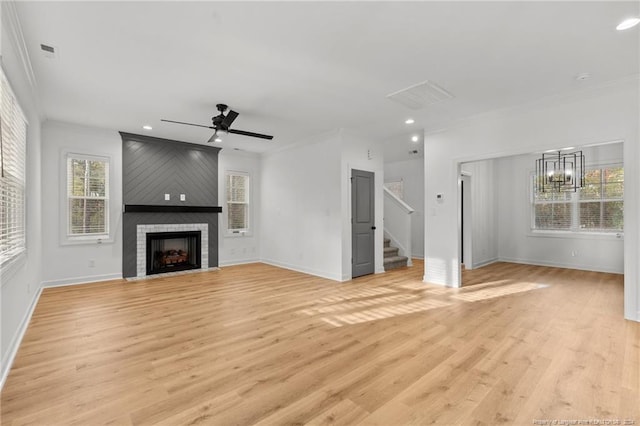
(361, 154)
(20, 284)
(65, 263)
(594, 116)
(484, 238)
(300, 208)
(243, 248)
(412, 174)
(517, 243)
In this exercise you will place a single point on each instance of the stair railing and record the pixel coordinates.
(397, 223)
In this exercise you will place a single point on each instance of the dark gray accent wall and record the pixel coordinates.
(152, 167)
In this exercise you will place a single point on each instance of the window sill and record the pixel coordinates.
(238, 234)
(581, 235)
(73, 241)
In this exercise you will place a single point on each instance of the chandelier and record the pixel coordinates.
(559, 172)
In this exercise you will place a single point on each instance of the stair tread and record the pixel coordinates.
(392, 259)
(390, 249)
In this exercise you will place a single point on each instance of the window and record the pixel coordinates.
(597, 207)
(237, 202)
(396, 188)
(601, 200)
(87, 196)
(13, 136)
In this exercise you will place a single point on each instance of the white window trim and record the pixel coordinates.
(575, 231)
(248, 232)
(64, 237)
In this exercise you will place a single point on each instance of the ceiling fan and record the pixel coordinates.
(221, 124)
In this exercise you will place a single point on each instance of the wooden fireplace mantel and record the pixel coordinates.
(158, 208)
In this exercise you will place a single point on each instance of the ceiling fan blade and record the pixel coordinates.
(228, 119)
(188, 124)
(255, 135)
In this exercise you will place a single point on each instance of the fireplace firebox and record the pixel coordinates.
(173, 251)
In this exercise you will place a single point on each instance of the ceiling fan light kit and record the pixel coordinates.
(220, 125)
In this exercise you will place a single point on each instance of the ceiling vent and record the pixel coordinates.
(420, 95)
(48, 51)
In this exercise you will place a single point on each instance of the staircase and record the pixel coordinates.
(391, 258)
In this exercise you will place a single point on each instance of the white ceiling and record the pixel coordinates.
(299, 69)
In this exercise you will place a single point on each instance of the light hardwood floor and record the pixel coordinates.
(255, 344)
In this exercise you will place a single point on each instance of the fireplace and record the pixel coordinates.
(173, 251)
(142, 249)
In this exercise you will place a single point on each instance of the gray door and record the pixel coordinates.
(362, 223)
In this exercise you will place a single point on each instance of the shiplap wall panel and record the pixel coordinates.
(152, 167)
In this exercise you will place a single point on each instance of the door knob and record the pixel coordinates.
(373, 227)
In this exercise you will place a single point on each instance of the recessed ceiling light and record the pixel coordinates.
(628, 23)
(409, 121)
(147, 127)
(415, 138)
(583, 76)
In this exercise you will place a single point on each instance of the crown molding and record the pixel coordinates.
(11, 21)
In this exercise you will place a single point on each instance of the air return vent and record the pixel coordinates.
(48, 51)
(420, 95)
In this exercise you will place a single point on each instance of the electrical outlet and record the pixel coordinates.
(183, 197)
(92, 263)
(167, 197)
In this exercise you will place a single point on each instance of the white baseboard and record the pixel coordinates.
(17, 339)
(485, 263)
(239, 262)
(424, 280)
(560, 265)
(81, 280)
(317, 273)
(417, 256)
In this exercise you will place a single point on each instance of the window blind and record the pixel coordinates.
(597, 207)
(237, 201)
(13, 136)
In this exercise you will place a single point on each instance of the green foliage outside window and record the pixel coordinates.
(87, 191)
(598, 206)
